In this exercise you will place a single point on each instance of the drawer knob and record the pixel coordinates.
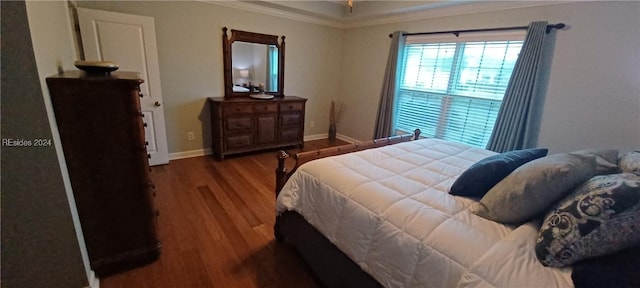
(140, 94)
(157, 104)
(145, 124)
(148, 156)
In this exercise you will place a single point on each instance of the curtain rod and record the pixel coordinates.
(457, 32)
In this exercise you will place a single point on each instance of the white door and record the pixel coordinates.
(130, 41)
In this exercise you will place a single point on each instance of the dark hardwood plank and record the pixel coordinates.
(230, 230)
(216, 226)
(231, 190)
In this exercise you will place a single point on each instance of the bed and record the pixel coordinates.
(237, 88)
(382, 217)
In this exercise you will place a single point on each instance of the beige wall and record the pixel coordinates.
(54, 50)
(593, 97)
(189, 36)
(40, 228)
(593, 93)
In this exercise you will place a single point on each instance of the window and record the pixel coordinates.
(452, 88)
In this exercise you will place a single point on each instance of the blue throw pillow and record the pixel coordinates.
(486, 173)
(600, 217)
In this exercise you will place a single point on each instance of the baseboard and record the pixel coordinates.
(315, 137)
(190, 154)
(94, 282)
(209, 151)
(347, 138)
(325, 136)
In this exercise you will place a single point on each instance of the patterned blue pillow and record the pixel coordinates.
(630, 162)
(600, 217)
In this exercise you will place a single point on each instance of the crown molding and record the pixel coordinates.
(456, 10)
(445, 11)
(276, 12)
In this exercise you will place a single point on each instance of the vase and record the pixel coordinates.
(332, 132)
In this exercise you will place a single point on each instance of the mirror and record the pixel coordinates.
(253, 64)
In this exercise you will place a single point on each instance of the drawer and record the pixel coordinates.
(138, 124)
(290, 135)
(291, 106)
(238, 123)
(238, 141)
(265, 108)
(237, 109)
(290, 119)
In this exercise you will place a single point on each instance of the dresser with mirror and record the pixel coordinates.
(254, 113)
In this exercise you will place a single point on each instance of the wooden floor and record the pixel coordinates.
(216, 226)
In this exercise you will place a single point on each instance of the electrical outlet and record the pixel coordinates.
(312, 124)
(190, 136)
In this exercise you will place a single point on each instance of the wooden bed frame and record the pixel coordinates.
(282, 175)
(331, 266)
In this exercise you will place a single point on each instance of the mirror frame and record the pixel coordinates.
(250, 37)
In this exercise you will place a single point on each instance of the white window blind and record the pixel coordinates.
(452, 87)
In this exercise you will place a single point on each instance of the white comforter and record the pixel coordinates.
(388, 209)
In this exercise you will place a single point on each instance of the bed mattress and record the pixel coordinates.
(388, 209)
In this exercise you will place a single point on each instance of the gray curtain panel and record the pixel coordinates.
(389, 86)
(519, 116)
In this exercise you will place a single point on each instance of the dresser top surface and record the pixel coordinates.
(118, 75)
(252, 100)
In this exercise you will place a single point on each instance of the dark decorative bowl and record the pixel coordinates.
(96, 66)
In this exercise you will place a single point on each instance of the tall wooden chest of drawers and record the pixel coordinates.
(102, 134)
(245, 124)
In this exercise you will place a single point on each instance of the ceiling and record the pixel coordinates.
(372, 12)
